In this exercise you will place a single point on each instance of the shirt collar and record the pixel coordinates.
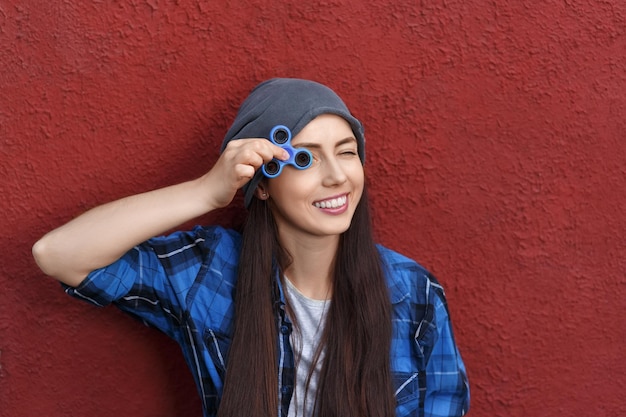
(398, 290)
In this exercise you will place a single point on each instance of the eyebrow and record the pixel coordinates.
(318, 146)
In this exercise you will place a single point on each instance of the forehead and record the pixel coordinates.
(324, 128)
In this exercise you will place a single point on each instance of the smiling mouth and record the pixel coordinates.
(332, 202)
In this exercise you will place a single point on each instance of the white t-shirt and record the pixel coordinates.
(311, 319)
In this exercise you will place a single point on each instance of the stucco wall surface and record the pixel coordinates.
(496, 158)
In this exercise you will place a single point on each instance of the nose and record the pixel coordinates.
(334, 174)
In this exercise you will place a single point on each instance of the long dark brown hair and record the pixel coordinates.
(355, 377)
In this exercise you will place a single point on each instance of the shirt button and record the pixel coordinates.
(286, 389)
(284, 329)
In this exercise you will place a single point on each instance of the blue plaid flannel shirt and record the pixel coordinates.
(183, 285)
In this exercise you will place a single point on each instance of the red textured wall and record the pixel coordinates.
(496, 157)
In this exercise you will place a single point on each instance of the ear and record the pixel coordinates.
(261, 192)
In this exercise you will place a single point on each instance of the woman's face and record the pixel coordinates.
(321, 199)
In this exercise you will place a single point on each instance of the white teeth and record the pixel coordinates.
(334, 203)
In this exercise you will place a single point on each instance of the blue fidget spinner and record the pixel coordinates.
(298, 157)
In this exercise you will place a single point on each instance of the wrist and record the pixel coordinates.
(203, 191)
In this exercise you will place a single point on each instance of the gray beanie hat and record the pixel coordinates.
(290, 102)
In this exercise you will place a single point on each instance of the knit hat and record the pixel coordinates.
(290, 102)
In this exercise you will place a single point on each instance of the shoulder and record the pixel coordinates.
(399, 262)
(407, 279)
(217, 239)
(201, 236)
(181, 257)
(200, 241)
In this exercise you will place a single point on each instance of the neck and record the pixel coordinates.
(311, 269)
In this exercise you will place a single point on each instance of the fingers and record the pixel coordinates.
(279, 153)
(244, 173)
(236, 166)
(253, 152)
(242, 158)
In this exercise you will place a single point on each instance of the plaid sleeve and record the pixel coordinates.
(106, 285)
(447, 387)
(150, 281)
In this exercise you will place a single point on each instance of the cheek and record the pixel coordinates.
(288, 189)
(358, 176)
(361, 182)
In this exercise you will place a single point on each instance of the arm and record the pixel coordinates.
(100, 236)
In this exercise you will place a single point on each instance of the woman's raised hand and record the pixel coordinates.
(236, 166)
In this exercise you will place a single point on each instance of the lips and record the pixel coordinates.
(332, 203)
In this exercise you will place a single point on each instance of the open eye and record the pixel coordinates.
(315, 157)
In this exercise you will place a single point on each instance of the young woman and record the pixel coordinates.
(301, 314)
